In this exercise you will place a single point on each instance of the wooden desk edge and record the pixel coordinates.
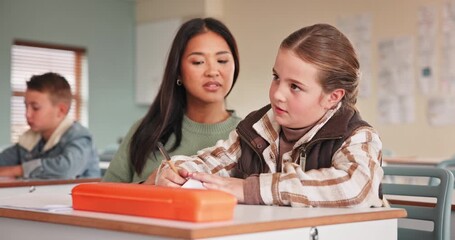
(25, 183)
(416, 203)
(210, 231)
(298, 223)
(411, 161)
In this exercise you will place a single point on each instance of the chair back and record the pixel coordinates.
(438, 213)
(448, 164)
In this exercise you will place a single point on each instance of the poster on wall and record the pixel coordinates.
(441, 110)
(358, 29)
(427, 55)
(448, 48)
(396, 103)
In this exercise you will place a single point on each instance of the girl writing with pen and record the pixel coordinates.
(309, 146)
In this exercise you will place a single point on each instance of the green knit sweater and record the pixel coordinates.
(195, 136)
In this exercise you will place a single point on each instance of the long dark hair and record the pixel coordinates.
(165, 115)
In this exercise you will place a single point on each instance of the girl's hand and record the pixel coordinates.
(169, 178)
(233, 186)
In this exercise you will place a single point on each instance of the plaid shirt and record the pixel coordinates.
(353, 180)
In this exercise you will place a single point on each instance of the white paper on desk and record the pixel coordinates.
(39, 202)
(192, 183)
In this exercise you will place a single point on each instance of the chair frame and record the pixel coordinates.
(439, 214)
(444, 164)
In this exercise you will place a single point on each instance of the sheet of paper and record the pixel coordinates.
(38, 201)
(358, 29)
(448, 48)
(441, 110)
(427, 57)
(192, 183)
(396, 81)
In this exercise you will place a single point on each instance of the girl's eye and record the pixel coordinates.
(295, 88)
(275, 77)
(223, 61)
(197, 62)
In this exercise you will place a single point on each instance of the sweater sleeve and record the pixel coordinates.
(352, 181)
(219, 159)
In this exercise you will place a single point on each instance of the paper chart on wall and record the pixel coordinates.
(441, 110)
(396, 81)
(358, 29)
(448, 48)
(427, 56)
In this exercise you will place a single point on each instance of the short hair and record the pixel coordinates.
(333, 54)
(54, 84)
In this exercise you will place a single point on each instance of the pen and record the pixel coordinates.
(166, 156)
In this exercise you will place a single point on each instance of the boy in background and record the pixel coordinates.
(55, 146)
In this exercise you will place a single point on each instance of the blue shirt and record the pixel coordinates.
(72, 156)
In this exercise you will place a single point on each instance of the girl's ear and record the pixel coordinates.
(335, 97)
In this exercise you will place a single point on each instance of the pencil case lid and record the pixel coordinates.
(194, 205)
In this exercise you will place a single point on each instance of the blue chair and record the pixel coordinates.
(448, 164)
(438, 213)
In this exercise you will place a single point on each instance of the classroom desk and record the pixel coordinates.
(250, 222)
(411, 160)
(11, 186)
(13, 182)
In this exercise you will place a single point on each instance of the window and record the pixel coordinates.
(30, 58)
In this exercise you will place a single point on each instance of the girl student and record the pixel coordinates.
(309, 146)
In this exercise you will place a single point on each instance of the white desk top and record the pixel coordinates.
(247, 218)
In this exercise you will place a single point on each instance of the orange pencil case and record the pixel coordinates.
(194, 205)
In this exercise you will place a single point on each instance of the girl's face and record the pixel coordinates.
(296, 95)
(207, 69)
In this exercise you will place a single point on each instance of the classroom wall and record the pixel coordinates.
(260, 25)
(106, 28)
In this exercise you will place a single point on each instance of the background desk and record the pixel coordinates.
(11, 187)
(250, 222)
(411, 161)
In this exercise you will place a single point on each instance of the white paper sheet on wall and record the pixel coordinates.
(427, 57)
(448, 48)
(396, 80)
(358, 29)
(441, 110)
